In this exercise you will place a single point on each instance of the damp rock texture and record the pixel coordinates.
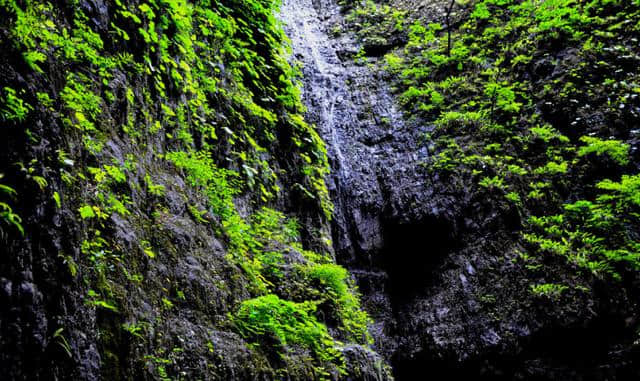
(319, 190)
(437, 174)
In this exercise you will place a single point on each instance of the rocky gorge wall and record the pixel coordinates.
(319, 189)
(466, 194)
(164, 211)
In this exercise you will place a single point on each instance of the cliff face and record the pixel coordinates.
(181, 184)
(494, 231)
(164, 212)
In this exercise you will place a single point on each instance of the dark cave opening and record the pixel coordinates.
(411, 254)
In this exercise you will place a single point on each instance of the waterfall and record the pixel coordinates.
(354, 112)
(372, 151)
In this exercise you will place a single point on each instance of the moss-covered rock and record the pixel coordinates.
(155, 163)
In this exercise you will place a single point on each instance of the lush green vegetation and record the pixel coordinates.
(289, 323)
(203, 89)
(336, 288)
(533, 105)
(260, 247)
(12, 109)
(176, 110)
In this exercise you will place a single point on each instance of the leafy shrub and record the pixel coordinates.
(502, 96)
(335, 280)
(203, 173)
(492, 183)
(592, 234)
(12, 107)
(7, 215)
(289, 323)
(623, 196)
(546, 133)
(550, 290)
(616, 150)
(453, 120)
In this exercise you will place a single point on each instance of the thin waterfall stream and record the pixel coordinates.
(355, 114)
(369, 145)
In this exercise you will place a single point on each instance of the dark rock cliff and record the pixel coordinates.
(164, 213)
(167, 209)
(440, 260)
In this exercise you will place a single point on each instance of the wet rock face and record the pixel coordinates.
(389, 225)
(434, 259)
(355, 114)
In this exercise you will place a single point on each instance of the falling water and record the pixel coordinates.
(367, 140)
(354, 112)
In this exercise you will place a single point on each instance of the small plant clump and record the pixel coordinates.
(290, 324)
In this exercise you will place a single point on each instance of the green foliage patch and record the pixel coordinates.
(532, 106)
(290, 324)
(336, 282)
(204, 90)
